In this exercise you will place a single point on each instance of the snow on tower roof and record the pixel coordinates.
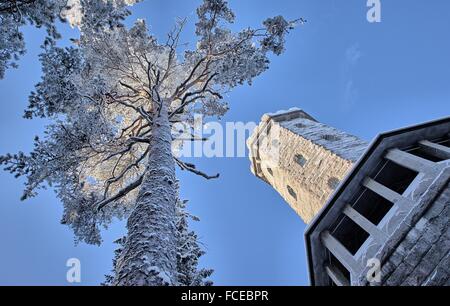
(286, 115)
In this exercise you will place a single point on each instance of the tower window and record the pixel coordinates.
(292, 192)
(420, 152)
(300, 125)
(270, 171)
(350, 234)
(395, 177)
(333, 183)
(275, 143)
(329, 137)
(301, 160)
(445, 143)
(372, 206)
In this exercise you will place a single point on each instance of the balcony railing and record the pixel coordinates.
(354, 255)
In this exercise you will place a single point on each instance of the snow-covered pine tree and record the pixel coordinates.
(189, 251)
(114, 99)
(109, 279)
(15, 14)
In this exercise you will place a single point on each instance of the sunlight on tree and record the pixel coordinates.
(113, 99)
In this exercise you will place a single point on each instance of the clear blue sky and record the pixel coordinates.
(360, 77)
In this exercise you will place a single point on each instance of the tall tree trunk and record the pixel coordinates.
(149, 256)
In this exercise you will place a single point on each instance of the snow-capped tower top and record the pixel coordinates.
(303, 159)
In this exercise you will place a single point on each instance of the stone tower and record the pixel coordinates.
(303, 159)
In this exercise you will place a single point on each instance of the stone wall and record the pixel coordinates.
(423, 257)
(312, 171)
(342, 144)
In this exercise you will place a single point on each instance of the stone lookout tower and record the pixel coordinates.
(378, 214)
(303, 159)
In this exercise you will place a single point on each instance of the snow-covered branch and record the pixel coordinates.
(112, 100)
(192, 168)
(121, 193)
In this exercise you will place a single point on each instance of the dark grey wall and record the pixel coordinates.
(423, 257)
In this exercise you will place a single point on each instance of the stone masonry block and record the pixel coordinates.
(417, 253)
(399, 274)
(439, 277)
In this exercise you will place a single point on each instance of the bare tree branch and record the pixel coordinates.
(192, 168)
(121, 175)
(121, 193)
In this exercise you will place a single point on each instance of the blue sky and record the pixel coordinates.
(359, 77)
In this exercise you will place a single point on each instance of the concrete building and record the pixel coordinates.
(392, 211)
(387, 223)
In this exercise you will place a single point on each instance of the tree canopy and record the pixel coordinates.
(15, 14)
(102, 93)
(112, 99)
